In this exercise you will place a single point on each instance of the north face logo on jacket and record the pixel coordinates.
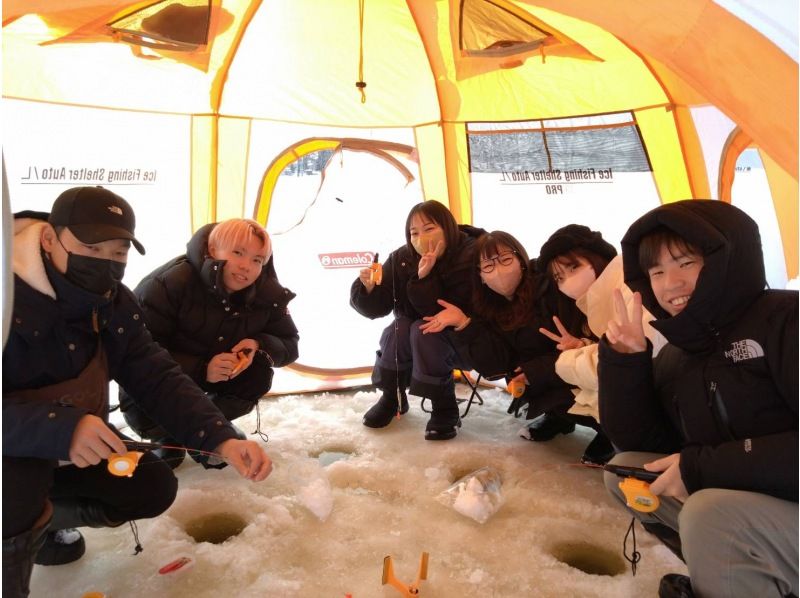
(744, 349)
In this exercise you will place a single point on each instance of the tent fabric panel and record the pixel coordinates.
(549, 88)
(105, 74)
(459, 184)
(784, 190)
(233, 144)
(657, 127)
(742, 72)
(694, 160)
(430, 150)
(203, 170)
(265, 77)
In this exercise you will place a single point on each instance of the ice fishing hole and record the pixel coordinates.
(332, 454)
(590, 559)
(215, 528)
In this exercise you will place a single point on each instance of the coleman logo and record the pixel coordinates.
(348, 259)
(746, 349)
(115, 210)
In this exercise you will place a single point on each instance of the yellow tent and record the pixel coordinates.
(500, 108)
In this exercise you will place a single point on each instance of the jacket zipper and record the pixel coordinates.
(719, 412)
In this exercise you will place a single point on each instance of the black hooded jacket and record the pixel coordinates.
(724, 391)
(189, 312)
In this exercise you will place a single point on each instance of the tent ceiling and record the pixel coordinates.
(297, 60)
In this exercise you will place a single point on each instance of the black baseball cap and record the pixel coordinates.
(94, 215)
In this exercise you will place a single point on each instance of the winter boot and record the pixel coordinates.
(599, 451)
(66, 544)
(381, 413)
(445, 418)
(61, 547)
(674, 585)
(548, 426)
(18, 556)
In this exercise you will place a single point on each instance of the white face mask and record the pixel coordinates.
(577, 282)
(504, 280)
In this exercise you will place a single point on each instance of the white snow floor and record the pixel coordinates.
(317, 528)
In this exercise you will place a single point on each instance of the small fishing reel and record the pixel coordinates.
(638, 496)
(123, 465)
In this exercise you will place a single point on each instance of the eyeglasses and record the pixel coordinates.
(504, 259)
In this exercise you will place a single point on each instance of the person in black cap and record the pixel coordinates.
(716, 411)
(74, 328)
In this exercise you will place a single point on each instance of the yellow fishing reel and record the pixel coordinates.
(635, 485)
(638, 496)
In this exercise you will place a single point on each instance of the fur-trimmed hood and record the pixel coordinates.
(27, 262)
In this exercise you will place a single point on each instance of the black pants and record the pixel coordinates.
(28, 483)
(234, 398)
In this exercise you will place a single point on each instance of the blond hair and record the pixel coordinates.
(239, 231)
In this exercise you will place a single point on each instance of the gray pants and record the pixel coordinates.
(735, 543)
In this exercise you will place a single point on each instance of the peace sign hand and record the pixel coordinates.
(625, 333)
(565, 341)
(428, 260)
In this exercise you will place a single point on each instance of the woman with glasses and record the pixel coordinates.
(500, 336)
(434, 263)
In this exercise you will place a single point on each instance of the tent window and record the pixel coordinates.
(488, 29)
(309, 164)
(180, 25)
(547, 146)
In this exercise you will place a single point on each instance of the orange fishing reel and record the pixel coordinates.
(123, 465)
(376, 271)
(516, 388)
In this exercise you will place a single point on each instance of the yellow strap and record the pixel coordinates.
(361, 84)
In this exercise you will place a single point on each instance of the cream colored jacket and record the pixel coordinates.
(579, 366)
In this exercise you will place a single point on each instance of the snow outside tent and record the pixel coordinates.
(519, 115)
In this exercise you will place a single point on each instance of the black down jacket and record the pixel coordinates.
(723, 392)
(189, 312)
(451, 277)
(391, 294)
(406, 295)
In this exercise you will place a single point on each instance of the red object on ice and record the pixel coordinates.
(175, 565)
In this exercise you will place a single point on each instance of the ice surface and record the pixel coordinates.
(343, 496)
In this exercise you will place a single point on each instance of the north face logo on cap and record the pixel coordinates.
(745, 349)
(115, 209)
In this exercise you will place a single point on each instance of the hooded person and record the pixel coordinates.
(222, 314)
(715, 413)
(74, 328)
